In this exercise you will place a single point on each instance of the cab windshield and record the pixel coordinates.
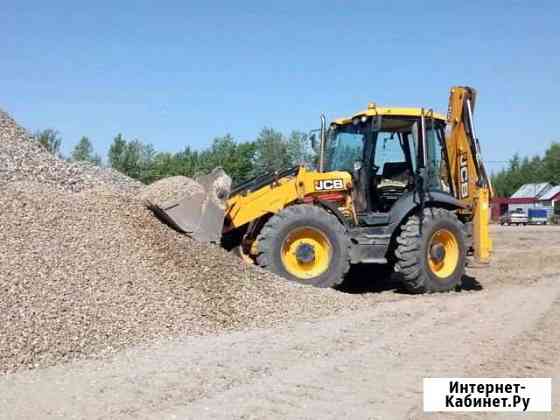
(389, 147)
(344, 147)
(377, 139)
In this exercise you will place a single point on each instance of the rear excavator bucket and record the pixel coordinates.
(195, 207)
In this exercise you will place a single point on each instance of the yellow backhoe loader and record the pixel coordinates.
(404, 186)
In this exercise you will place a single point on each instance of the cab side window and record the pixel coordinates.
(437, 171)
(390, 158)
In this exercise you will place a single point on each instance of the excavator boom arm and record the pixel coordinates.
(471, 183)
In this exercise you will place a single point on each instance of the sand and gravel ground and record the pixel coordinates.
(364, 362)
(107, 313)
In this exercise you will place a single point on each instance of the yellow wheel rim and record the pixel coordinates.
(306, 253)
(443, 264)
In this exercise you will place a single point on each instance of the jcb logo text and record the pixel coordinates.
(329, 184)
(464, 175)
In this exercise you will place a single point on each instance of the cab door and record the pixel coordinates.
(394, 162)
(437, 172)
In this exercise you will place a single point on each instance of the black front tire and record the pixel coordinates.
(270, 242)
(412, 253)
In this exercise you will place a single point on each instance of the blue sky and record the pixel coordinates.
(179, 73)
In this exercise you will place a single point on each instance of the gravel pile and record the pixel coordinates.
(87, 271)
(22, 159)
(170, 189)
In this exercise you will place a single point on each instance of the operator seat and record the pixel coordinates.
(389, 185)
(395, 173)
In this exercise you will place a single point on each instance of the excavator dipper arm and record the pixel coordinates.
(471, 183)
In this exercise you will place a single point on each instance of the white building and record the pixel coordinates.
(550, 199)
(541, 195)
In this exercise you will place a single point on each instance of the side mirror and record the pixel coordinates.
(313, 139)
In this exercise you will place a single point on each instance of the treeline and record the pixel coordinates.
(526, 170)
(271, 150)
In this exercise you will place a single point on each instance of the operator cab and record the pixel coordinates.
(381, 148)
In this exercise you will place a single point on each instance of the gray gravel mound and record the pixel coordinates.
(91, 272)
(87, 270)
(22, 159)
(170, 189)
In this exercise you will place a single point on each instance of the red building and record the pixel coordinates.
(498, 206)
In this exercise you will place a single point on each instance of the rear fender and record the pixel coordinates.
(409, 202)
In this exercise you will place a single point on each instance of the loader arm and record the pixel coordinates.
(276, 193)
(468, 175)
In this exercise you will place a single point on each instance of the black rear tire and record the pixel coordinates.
(277, 231)
(413, 251)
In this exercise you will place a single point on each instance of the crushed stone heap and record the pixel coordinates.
(86, 269)
(22, 159)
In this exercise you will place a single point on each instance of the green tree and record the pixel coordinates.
(83, 151)
(235, 158)
(138, 159)
(117, 152)
(551, 163)
(50, 140)
(241, 160)
(523, 171)
(507, 181)
(299, 150)
(245, 166)
(132, 158)
(271, 152)
(165, 164)
(188, 162)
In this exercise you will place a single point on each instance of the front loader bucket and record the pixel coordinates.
(195, 207)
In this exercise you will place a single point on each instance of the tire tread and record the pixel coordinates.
(296, 212)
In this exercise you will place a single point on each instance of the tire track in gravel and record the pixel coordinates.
(367, 364)
(352, 385)
(532, 352)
